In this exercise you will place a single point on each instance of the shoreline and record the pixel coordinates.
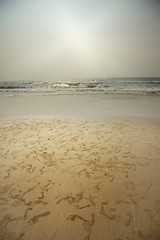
(91, 107)
(70, 178)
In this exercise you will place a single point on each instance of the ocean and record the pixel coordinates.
(92, 86)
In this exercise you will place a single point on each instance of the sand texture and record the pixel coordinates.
(67, 179)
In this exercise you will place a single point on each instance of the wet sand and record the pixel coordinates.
(66, 178)
(82, 106)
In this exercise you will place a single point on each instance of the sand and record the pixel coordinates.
(65, 178)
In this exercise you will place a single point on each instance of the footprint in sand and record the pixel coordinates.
(36, 218)
(30, 168)
(82, 207)
(70, 199)
(31, 189)
(85, 172)
(21, 235)
(130, 218)
(26, 213)
(11, 169)
(87, 225)
(42, 170)
(103, 212)
(91, 199)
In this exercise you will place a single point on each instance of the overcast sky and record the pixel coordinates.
(67, 39)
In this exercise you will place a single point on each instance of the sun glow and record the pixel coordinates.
(76, 38)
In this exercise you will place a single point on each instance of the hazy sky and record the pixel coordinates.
(67, 39)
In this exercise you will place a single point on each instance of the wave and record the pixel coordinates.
(74, 84)
(84, 86)
(11, 87)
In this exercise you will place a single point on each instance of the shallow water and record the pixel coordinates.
(85, 106)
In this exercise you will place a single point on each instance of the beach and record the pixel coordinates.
(80, 120)
(76, 178)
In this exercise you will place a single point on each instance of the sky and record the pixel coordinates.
(68, 39)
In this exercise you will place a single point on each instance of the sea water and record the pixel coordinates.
(102, 98)
(92, 86)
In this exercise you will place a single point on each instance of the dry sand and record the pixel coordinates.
(79, 179)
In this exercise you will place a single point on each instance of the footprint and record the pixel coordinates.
(26, 212)
(42, 170)
(30, 168)
(39, 201)
(91, 199)
(70, 199)
(36, 218)
(79, 207)
(21, 235)
(7, 173)
(32, 188)
(130, 218)
(87, 225)
(103, 212)
(85, 172)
